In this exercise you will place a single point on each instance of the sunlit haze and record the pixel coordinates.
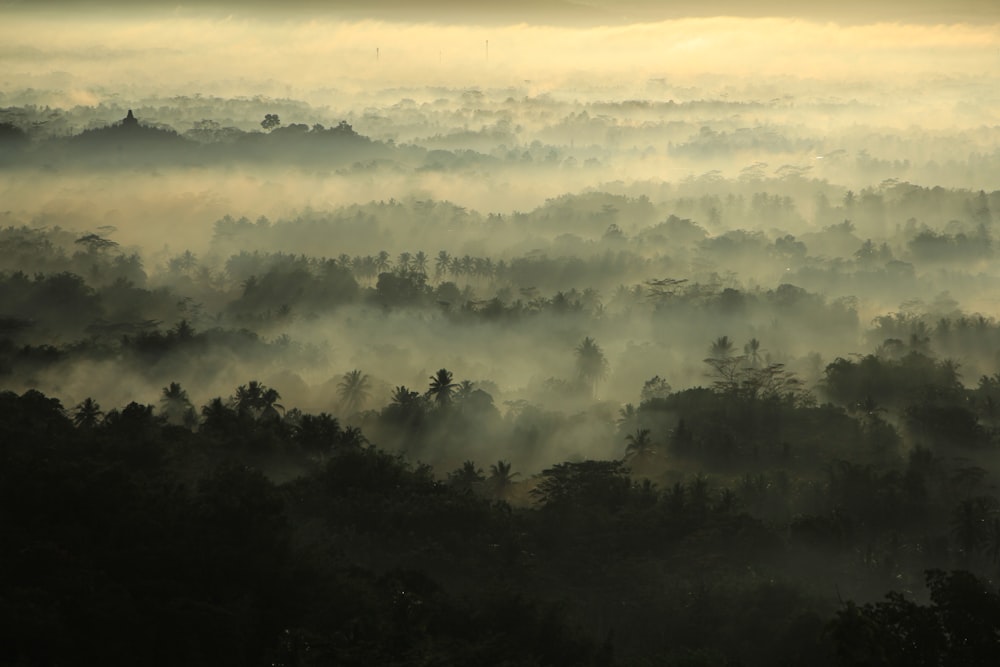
(528, 333)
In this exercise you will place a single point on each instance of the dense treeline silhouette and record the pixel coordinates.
(130, 142)
(735, 499)
(157, 528)
(484, 128)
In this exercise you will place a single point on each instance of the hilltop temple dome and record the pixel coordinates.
(130, 120)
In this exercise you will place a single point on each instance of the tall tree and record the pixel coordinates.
(354, 391)
(318, 434)
(175, 406)
(87, 415)
(406, 408)
(591, 365)
(382, 261)
(501, 480)
(258, 401)
(722, 348)
(441, 264)
(463, 390)
(752, 352)
(218, 418)
(466, 478)
(442, 387)
(639, 448)
(419, 262)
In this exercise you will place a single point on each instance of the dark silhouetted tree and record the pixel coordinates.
(257, 401)
(442, 387)
(354, 391)
(639, 448)
(591, 365)
(653, 388)
(501, 480)
(318, 434)
(467, 478)
(722, 348)
(176, 408)
(87, 415)
(441, 264)
(419, 263)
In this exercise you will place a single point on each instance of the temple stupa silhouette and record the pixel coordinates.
(130, 120)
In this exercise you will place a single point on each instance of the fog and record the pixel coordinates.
(763, 236)
(593, 159)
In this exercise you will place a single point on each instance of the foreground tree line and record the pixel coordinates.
(744, 523)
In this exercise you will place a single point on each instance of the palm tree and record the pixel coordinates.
(269, 401)
(87, 415)
(501, 479)
(406, 408)
(441, 264)
(441, 387)
(722, 348)
(382, 261)
(467, 478)
(176, 407)
(403, 397)
(217, 417)
(257, 400)
(591, 365)
(468, 265)
(317, 434)
(247, 398)
(627, 416)
(419, 263)
(352, 438)
(455, 267)
(403, 262)
(640, 448)
(464, 389)
(353, 391)
(479, 267)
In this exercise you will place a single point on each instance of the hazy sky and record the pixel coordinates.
(576, 11)
(237, 50)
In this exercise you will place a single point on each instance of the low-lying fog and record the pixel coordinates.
(485, 198)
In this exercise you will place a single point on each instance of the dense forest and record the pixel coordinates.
(507, 364)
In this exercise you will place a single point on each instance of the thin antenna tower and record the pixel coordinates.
(376, 54)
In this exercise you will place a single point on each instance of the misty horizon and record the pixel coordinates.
(559, 333)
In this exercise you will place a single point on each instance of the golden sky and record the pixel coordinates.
(237, 53)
